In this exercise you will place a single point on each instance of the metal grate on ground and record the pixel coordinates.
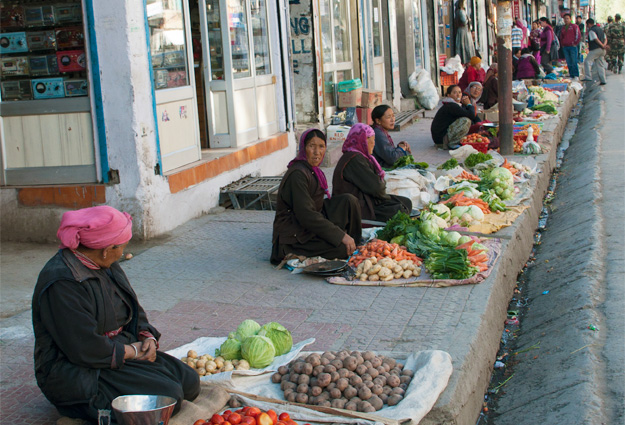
(259, 189)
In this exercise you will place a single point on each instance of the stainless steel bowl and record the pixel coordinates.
(519, 106)
(143, 409)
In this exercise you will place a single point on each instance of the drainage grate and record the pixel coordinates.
(257, 189)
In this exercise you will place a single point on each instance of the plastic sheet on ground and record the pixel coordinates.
(208, 345)
(493, 222)
(426, 280)
(432, 369)
(413, 185)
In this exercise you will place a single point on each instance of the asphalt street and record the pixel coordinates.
(570, 369)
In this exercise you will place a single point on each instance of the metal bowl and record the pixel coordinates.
(143, 409)
(519, 106)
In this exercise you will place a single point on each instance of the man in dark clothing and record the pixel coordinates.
(596, 51)
(580, 24)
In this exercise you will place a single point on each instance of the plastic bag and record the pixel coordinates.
(421, 84)
(412, 184)
(462, 152)
(453, 65)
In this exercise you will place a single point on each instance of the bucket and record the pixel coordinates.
(143, 409)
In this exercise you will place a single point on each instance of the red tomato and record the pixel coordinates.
(281, 423)
(253, 412)
(284, 417)
(264, 419)
(199, 422)
(217, 419)
(226, 414)
(226, 423)
(240, 411)
(273, 415)
(248, 420)
(245, 409)
(235, 418)
(291, 422)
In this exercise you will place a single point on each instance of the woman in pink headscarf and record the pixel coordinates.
(360, 174)
(309, 222)
(93, 341)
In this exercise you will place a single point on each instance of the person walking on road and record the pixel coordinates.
(570, 36)
(596, 51)
(616, 44)
(548, 50)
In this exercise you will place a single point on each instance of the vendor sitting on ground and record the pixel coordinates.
(358, 173)
(472, 72)
(307, 224)
(453, 119)
(93, 341)
(490, 95)
(527, 67)
(385, 151)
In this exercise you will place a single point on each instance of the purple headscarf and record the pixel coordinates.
(301, 156)
(357, 142)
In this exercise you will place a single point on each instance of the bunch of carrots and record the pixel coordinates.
(380, 249)
(459, 200)
(477, 257)
(465, 175)
(509, 166)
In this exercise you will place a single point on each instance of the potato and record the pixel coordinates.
(350, 363)
(324, 403)
(301, 398)
(399, 366)
(329, 368)
(397, 275)
(328, 355)
(276, 378)
(391, 362)
(397, 391)
(324, 379)
(339, 403)
(369, 384)
(201, 371)
(394, 399)
(350, 392)
(367, 264)
(374, 270)
(364, 393)
(366, 377)
(184, 359)
(234, 402)
(383, 397)
(286, 377)
(376, 402)
(403, 386)
(404, 264)
(297, 366)
(313, 382)
(316, 390)
(398, 269)
(336, 393)
(325, 361)
(191, 363)
(317, 370)
(368, 363)
(307, 369)
(351, 406)
(416, 271)
(374, 278)
(373, 372)
(361, 369)
(302, 388)
(377, 389)
(200, 364)
(291, 397)
(355, 400)
(393, 381)
(387, 389)
(405, 379)
(330, 386)
(314, 359)
(374, 260)
(228, 366)
(406, 274)
(387, 367)
(380, 380)
(294, 377)
(335, 376)
(287, 385)
(288, 392)
(359, 269)
(363, 277)
(325, 395)
(303, 379)
(363, 406)
(355, 379)
(192, 354)
(337, 363)
(384, 272)
(343, 373)
(407, 372)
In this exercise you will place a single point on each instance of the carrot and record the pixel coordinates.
(466, 245)
(480, 258)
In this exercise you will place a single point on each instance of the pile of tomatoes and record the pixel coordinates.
(248, 416)
(518, 143)
(474, 138)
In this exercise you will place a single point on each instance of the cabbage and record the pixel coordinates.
(230, 349)
(441, 210)
(480, 247)
(430, 229)
(503, 182)
(452, 238)
(441, 223)
(476, 213)
(279, 336)
(247, 328)
(457, 212)
(258, 351)
(463, 240)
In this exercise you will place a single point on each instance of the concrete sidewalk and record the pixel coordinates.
(213, 272)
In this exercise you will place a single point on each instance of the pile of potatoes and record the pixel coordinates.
(354, 381)
(206, 364)
(386, 269)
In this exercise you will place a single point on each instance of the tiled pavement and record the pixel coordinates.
(212, 273)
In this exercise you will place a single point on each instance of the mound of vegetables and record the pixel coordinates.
(248, 415)
(408, 161)
(362, 382)
(206, 364)
(256, 344)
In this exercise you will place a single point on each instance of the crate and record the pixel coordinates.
(449, 79)
(480, 147)
(254, 192)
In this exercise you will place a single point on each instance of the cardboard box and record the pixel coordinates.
(364, 115)
(492, 114)
(350, 99)
(337, 133)
(370, 98)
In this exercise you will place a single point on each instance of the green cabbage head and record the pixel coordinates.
(279, 335)
(258, 351)
(247, 328)
(230, 349)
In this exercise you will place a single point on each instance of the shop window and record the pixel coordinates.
(260, 37)
(335, 29)
(168, 43)
(214, 40)
(377, 29)
(239, 38)
(42, 50)
(418, 34)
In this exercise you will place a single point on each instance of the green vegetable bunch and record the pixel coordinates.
(399, 225)
(449, 263)
(494, 202)
(449, 164)
(408, 161)
(476, 158)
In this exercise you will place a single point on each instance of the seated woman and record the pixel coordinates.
(527, 66)
(358, 173)
(93, 341)
(385, 151)
(472, 72)
(306, 223)
(453, 120)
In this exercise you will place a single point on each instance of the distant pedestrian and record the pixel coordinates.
(465, 48)
(534, 43)
(616, 43)
(596, 51)
(570, 37)
(548, 48)
(517, 35)
(580, 24)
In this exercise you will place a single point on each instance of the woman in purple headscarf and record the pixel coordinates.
(309, 222)
(360, 174)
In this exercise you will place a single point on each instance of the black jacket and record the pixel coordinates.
(446, 115)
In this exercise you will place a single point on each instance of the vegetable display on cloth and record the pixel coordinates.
(356, 381)
(398, 226)
(465, 175)
(476, 158)
(408, 161)
(476, 253)
(206, 364)
(256, 345)
(449, 164)
(501, 180)
(494, 202)
(449, 263)
(459, 200)
(380, 249)
(548, 107)
(386, 269)
(248, 415)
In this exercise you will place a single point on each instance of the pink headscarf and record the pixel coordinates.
(95, 228)
(301, 156)
(357, 142)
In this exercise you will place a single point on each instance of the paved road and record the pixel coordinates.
(577, 375)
